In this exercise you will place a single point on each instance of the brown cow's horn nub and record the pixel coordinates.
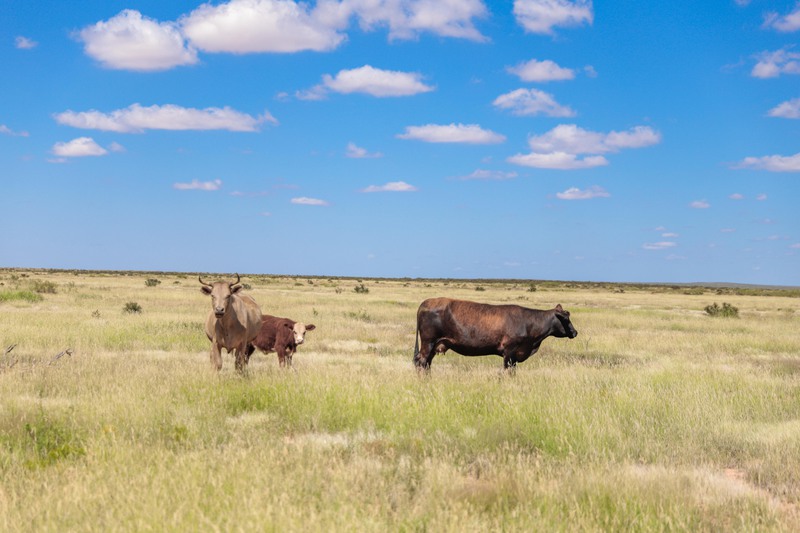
(203, 282)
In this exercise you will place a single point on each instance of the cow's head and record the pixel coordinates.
(221, 293)
(299, 331)
(563, 326)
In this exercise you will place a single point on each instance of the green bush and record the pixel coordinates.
(726, 311)
(132, 308)
(152, 282)
(361, 289)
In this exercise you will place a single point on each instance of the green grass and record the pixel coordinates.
(656, 417)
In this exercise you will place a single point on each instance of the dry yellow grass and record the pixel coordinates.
(657, 417)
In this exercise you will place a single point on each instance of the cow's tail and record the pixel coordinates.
(416, 345)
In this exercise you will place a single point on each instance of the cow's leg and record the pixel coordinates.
(240, 352)
(249, 351)
(216, 357)
(423, 358)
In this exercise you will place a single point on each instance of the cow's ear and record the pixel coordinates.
(559, 308)
(235, 289)
(288, 325)
(310, 327)
(205, 290)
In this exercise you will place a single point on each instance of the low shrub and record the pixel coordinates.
(361, 289)
(726, 311)
(132, 308)
(152, 282)
(43, 287)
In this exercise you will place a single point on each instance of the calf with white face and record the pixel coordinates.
(280, 335)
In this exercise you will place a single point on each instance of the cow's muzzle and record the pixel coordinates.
(219, 313)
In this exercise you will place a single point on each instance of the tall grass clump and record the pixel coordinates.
(21, 295)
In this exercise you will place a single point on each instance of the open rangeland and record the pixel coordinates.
(657, 417)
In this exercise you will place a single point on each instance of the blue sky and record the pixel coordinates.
(540, 139)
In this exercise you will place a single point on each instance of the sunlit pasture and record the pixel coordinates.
(657, 417)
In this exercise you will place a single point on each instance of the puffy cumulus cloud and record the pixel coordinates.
(699, 204)
(392, 186)
(452, 133)
(559, 148)
(557, 161)
(663, 245)
(496, 175)
(541, 71)
(406, 19)
(773, 64)
(356, 152)
(771, 163)
(246, 26)
(24, 43)
(304, 200)
(573, 193)
(541, 16)
(196, 185)
(532, 102)
(575, 140)
(80, 147)
(130, 41)
(788, 109)
(137, 119)
(375, 82)
(784, 23)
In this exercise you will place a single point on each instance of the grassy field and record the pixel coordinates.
(657, 417)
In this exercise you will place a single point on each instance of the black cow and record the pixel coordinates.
(472, 328)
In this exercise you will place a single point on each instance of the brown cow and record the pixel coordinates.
(471, 328)
(281, 335)
(232, 323)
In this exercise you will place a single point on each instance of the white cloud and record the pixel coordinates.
(303, 200)
(773, 64)
(541, 16)
(130, 41)
(574, 193)
(772, 163)
(247, 26)
(452, 133)
(24, 43)
(407, 18)
(5, 130)
(795, 245)
(532, 102)
(571, 139)
(136, 119)
(392, 186)
(489, 175)
(557, 161)
(787, 23)
(699, 204)
(761, 197)
(373, 81)
(196, 185)
(559, 148)
(670, 235)
(356, 152)
(736, 196)
(788, 109)
(541, 71)
(663, 245)
(80, 147)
